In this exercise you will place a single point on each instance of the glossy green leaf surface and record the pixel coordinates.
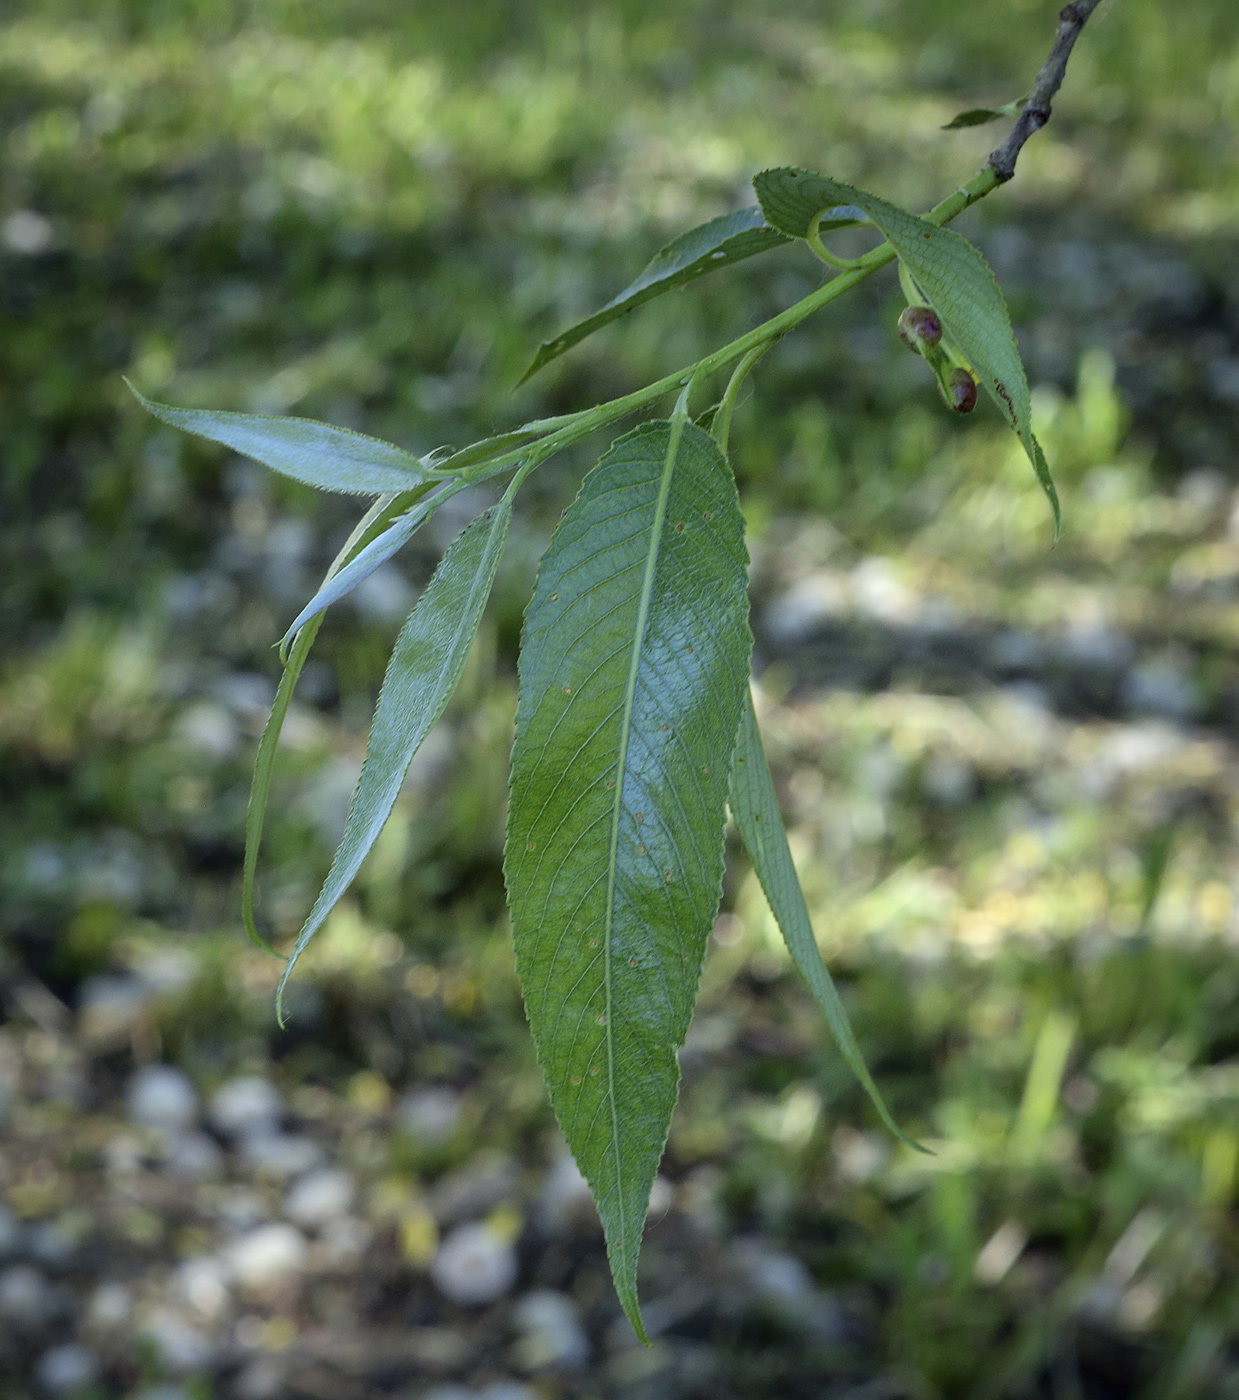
(755, 809)
(728, 239)
(425, 665)
(331, 459)
(954, 277)
(632, 675)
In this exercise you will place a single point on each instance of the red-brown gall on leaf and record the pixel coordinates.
(919, 327)
(960, 391)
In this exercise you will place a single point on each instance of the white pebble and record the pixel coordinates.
(246, 1105)
(260, 1380)
(50, 1243)
(178, 1345)
(66, 1369)
(565, 1198)
(202, 1284)
(109, 1308)
(320, 1197)
(194, 1157)
(267, 1256)
(553, 1334)
(344, 1241)
(162, 1097)
(27, 231)
(26, 1297)
(279, 1155)
(474, 1266)
(429, 1116)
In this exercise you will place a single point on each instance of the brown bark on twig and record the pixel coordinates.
(1036, 113)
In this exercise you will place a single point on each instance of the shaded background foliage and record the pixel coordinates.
(1009, 770)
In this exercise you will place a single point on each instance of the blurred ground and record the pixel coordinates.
(1010, 770)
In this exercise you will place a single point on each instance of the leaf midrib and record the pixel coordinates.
(630, 690)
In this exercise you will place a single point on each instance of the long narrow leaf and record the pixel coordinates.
(632, 671)
(421, 676)
(372, 522)
(367, 560)
(331, 459)
(264, 768)
(719, 243)
(755, 807)
(954, 277)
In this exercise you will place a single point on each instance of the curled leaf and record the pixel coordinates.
(954, 278)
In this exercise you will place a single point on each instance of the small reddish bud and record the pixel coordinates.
(919, 327)
(960, 391)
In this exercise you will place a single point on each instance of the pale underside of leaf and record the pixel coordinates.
(755, 809)
(371, 524)
(719, 243)
(425, 665)
(633, 667)
(370, 558)
(954, 277)
(316, 454)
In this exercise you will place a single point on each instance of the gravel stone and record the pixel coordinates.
(202, 1284)
(66, 1369)
(474, 1266)
(194, 1157)
(279, 1155)
(247, 1105)
(321, 1197)
(565, 1199)
(552, 1334)
(162, 1097)
(180, 1346)
(429, 1116)
(268, 1256)
(26, 1297)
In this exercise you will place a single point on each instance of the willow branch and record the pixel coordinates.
(1071, 20)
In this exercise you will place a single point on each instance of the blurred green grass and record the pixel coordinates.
(371, 213)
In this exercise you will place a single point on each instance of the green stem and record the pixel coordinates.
(722, 417)
(579, 425)
(814, 239)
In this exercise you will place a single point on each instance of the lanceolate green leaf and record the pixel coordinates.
(331, 459)
(371, 557)
(632, 674)
(953, 275)
(755, 807)
(719, 243)
(424, 668)
(373, 522)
